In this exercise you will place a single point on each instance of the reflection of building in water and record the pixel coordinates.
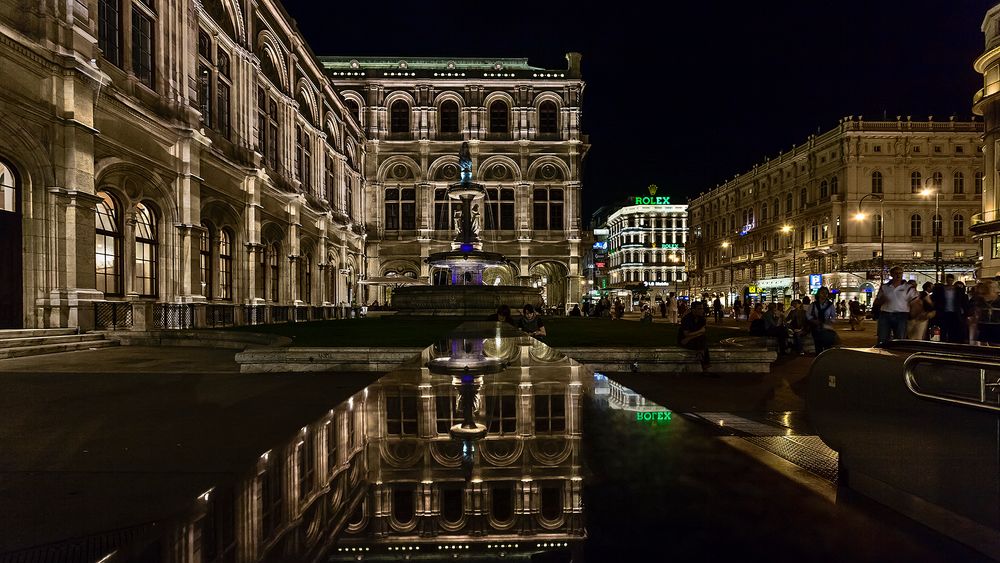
(381, 471)
(621, 397)
(526, 482)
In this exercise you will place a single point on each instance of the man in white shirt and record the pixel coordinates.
(894, 301)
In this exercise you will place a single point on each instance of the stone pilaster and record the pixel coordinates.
(71, 301)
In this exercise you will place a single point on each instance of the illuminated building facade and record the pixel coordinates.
(793, 219)
(522, 124)
(172, 165)
(986, 225)
(646, 245)
(194, 164)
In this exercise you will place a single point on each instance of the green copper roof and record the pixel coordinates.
(423, 63)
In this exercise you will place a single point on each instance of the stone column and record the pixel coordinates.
(71, 301)
(190, 288)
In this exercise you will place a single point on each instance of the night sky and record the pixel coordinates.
(691, 93)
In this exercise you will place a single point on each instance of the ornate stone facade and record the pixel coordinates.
(523, 127)
(797, 211)
(986, 102)
(646, 245)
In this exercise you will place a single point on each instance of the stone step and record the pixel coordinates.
(35, 332)
(6, 353)
(43, 340)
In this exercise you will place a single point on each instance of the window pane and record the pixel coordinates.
(142, 48)
(109, 30)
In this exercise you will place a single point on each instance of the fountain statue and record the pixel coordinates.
(464, 294)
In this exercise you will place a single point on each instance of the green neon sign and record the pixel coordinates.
(670, 246)
(653, 416)
(652, 200)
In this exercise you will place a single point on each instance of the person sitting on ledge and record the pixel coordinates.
(530, 321)
(502, 315)
(691, 333)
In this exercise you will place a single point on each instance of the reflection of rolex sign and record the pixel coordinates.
(652, 200)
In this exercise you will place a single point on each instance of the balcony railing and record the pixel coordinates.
(985, 217)
(173, 315)
(114, 315)
(217, 315)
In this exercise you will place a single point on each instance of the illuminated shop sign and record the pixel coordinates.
(601, 245)
(671, 246)
(653, 416)
(652, 200)
(815, 282)
(600, 264)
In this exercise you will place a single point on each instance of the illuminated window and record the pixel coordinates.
(206, 261)
(109, 244)
(448, 117)
(146, 245)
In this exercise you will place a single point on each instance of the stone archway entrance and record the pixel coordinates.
(11, 266)
(551, 277)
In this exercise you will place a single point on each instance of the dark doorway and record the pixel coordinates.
(11, 271)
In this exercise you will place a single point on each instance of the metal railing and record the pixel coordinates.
(255, 314)
(85, 549)
(112, 314)
(988, 390)
(301, 314)
(176, 316)
(217, 315)
(280, 313)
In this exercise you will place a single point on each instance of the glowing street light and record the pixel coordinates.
(931, 187)
(860, 216)
(788, 230)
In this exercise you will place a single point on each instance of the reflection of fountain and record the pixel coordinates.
(467, 362)
(465, 293)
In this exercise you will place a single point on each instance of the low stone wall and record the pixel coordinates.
(197, 338)
(723, 359)
(359, 359)
(768, 343)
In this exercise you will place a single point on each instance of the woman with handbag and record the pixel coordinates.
(921, 312)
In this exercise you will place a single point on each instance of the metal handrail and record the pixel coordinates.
(911, 384)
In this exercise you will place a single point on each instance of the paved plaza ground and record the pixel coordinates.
(111, 438)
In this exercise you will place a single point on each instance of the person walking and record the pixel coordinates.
(717, 307)
(737, 307)
(856, 314)
(922, 310)
(893, 299)
(663, 307)
(746, 309)
(950, 303)
(797, 322)
(821, 315)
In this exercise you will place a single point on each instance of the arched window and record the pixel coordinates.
(915, 225)
(448, 117)
(915, 180)
(499, 117)
(876, 182)
(303, 157)
(834, 185)
(353, 109)
(225, 265)
(937, 181)
(877, 226)
(814, 231)
(958, 183)
(979, 183)
(206, 261)
(109, 245)
(399, 117)
(958, 225)
(146, 244)
(274, 270)
(403, 503)
(548, 118)
(502, 502)
(824, 189)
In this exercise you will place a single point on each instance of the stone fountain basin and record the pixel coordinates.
(462, 300)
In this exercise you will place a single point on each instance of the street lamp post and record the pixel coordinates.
(725, 245)
(790, 231)
(931, 187)
(881, 233)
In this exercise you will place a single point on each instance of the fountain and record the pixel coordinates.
(465, 294)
